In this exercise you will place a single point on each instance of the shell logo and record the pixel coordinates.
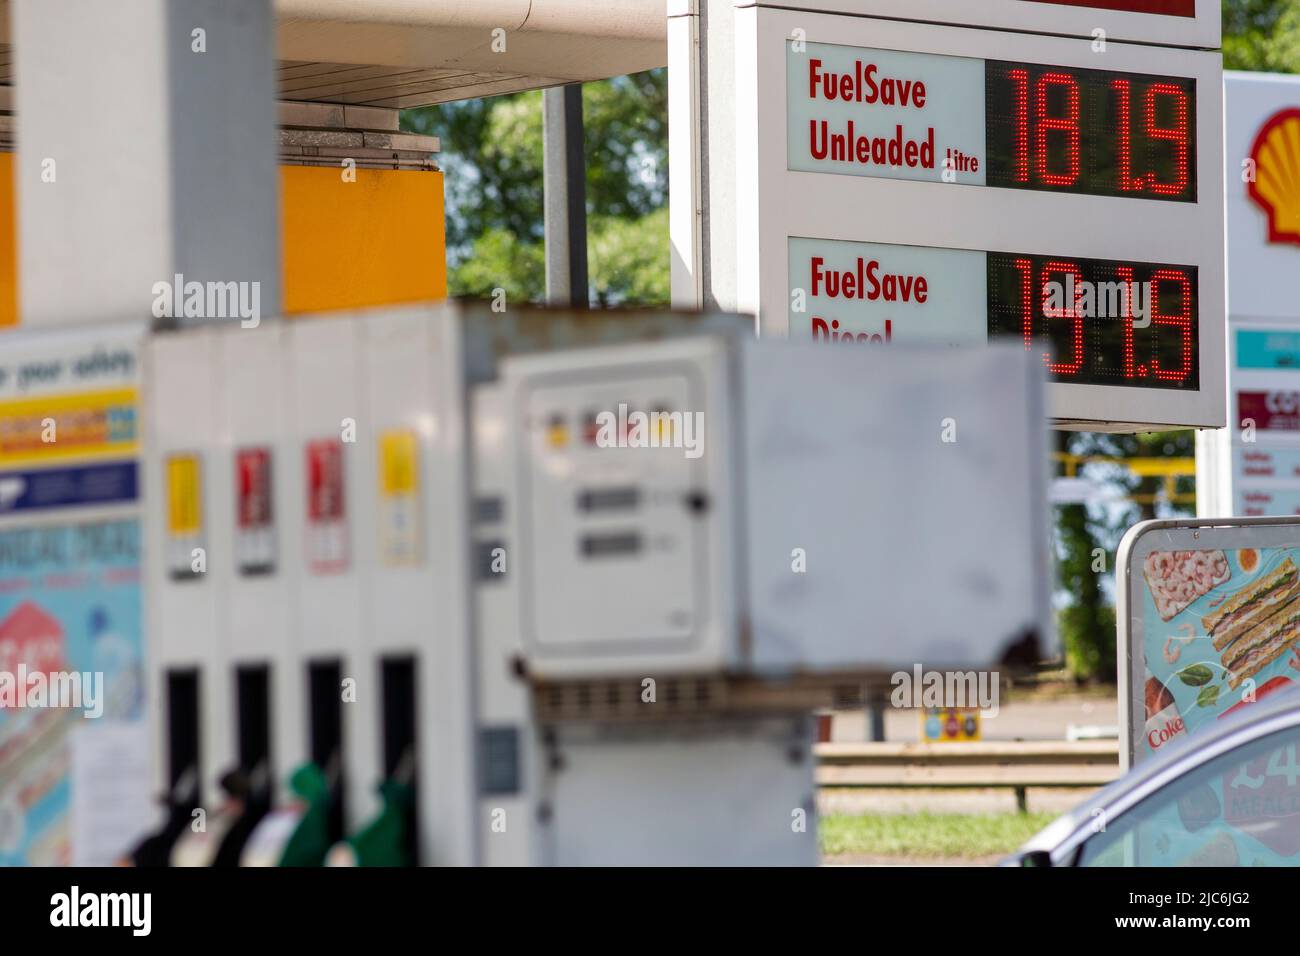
(1276, 187)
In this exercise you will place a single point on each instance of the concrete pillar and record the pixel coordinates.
(702, 154)
(146, 140)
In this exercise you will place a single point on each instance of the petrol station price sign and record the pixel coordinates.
(938, 185)
(1037, 126)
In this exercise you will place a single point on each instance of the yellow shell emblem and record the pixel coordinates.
(1276, 186)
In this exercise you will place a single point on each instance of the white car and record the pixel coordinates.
(1227, 796)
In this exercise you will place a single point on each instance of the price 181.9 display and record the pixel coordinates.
(1090, 131)
(1099, 321)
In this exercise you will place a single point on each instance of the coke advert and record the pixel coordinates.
(1222, 631)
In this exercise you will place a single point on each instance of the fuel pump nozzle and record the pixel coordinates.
(180, 801)
(385, 840)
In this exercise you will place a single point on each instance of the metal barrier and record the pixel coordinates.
(1015, 764)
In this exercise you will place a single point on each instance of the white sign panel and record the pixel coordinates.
(881, 294)
(1262, 144)
(923, 110)
(1252, 468)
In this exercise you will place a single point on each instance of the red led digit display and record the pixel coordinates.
(1066, 123)
(1090, 131)
(1098, 321)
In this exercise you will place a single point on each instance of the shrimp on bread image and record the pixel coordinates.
(1177, 578)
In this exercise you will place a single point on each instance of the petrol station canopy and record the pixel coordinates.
(408, 53)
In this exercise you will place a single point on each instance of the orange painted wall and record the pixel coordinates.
(376, 241)
(8, 243)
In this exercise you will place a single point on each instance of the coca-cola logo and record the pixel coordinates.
(1283, 403)
(1161, 735)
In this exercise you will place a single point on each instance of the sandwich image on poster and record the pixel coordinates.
(1258, 624)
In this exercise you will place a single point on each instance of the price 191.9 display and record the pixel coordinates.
(1099, 321)
(1105, 322)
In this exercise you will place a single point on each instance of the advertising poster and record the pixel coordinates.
(70, 606)
(74, 741)
(1221, 630)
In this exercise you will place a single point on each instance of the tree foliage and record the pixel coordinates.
(1087, 537)
(1261, 35)
(492, 155)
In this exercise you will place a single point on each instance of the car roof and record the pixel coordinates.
(1259, 718)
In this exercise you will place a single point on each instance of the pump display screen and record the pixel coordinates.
(857, 111)
(1090, 131)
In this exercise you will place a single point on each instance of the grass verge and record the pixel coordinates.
(928, 834)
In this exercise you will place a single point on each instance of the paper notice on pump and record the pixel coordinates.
(184, 515)
(327, 532)
(399, 498)
(255, 528)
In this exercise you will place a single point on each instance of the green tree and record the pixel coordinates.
(1261, 35)
(1087, 536)
(1087, 620)
(492, 154)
